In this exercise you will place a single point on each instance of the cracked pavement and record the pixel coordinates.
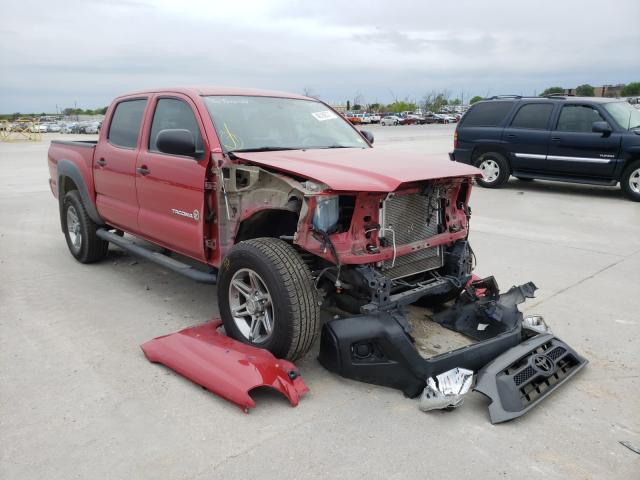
(79, 400)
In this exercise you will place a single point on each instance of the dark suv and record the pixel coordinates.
(571, 139)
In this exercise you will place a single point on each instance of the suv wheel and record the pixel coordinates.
(495, 170)
(80, 231)
(267, 298)
(630, 181)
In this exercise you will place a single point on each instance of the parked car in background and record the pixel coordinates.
(54, 127)
(92, 127)
(447, 117)
(375, 118)
(588, 140)
(353, 118)
(431, 117)
(364, 118)
(69, 128)
(409, 120)
(390, 120)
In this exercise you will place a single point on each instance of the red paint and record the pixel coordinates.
(362, 169)
(224, 366)
(142, 204)
(351, 245)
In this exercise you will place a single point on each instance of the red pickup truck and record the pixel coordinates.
(283, 200)
(288, 208)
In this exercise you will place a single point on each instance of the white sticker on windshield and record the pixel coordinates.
(324, 115)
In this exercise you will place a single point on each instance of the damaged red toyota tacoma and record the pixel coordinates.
(289, 209)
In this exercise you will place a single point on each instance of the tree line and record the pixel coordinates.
(630, 90)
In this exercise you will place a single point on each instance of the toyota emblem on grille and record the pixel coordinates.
(543, 364)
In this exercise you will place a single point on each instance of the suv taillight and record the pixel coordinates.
(455, 139)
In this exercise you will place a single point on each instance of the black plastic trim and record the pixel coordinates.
(158, 258)
(67, 168)
(558, 178)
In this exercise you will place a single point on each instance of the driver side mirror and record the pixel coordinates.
(368, 135)
(601, 127)
(176, 141)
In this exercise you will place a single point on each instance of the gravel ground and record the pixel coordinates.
(79, 400)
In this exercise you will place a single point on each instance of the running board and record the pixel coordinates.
(158, 258)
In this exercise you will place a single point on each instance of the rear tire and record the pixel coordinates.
(80, 231)
(269, 287)
(495, 169)
(630, 181)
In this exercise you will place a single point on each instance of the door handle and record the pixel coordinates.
(143, 170)
(511, 135)
(101, 161)
(555, 139)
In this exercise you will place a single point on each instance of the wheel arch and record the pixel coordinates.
(70, 178)
(482, 149)
(268, 222)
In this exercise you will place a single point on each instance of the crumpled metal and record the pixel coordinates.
(447, 390)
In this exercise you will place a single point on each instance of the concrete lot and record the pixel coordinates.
(79, 400)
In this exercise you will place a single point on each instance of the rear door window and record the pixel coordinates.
(578, 118)
(172, 113)
(125, 123)
(487, 114)
(534, 115)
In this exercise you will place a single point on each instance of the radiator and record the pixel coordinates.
(406, 217)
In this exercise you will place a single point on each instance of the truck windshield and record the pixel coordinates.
(624, 114)
(247, 123)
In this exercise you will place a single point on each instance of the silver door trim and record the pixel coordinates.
(536, 156)
(579, 159)
(564, 158)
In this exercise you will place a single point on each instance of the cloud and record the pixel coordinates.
(58, 53)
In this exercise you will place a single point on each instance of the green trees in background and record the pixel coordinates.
(552, 90)
(475, 99)
(585, 90)
(631, 89)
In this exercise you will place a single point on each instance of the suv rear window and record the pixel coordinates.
(125, 123)
(487, 114)
(533, 115)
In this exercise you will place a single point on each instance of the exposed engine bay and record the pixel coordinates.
(366, 250)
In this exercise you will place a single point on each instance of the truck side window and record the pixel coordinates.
(578, 118)
(534, 115)
(125, 123)
(487, 114)
(174, 113)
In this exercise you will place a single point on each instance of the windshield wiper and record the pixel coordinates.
(332, 146)
(262, 149)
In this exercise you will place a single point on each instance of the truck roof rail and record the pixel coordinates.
(495, 97)
(558, 95)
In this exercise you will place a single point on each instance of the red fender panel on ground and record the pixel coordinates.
(223, 365)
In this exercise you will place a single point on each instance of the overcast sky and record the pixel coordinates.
(58, 52)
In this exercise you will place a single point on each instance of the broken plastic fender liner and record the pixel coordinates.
(224, 366)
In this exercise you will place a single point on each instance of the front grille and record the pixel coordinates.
(411, 218)
(532, 383)
(524, 375)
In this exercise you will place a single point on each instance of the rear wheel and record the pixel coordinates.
(630, 181)
(267, 298)
(495, 169)
(80, 230)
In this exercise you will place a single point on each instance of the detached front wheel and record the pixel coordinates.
(267, 298)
